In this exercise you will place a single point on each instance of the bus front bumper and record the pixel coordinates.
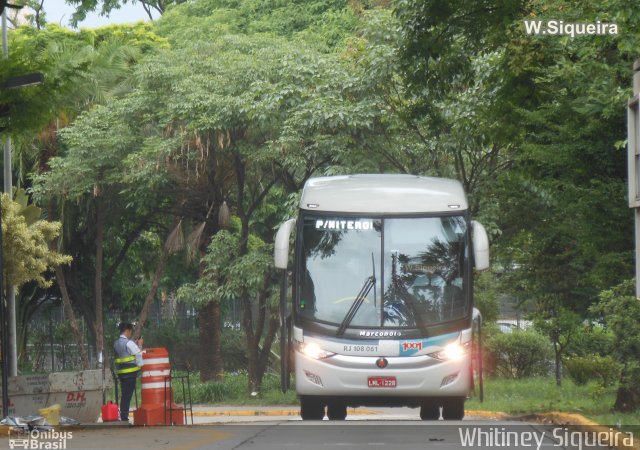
(360, 376)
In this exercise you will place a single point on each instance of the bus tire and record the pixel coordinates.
(453, 409)
(336, 411)
(430, 411)
(311, 409)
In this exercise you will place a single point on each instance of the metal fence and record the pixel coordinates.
(51, 346)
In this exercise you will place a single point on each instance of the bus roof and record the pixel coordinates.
(393, 194)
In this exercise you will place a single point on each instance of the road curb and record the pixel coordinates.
(577, 420)
(274, 412)
(487, 414)
(351, 411)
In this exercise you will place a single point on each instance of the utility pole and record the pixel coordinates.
(4, 349)
(11, 293)
(8, 308)
(633, 161)
(3, 305)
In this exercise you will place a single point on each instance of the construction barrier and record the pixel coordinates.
(157, 407)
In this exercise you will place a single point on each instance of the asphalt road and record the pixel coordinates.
(292, 433)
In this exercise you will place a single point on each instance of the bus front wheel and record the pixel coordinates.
(311, 409)
(336, 411)
(453, 409)
(430, 411)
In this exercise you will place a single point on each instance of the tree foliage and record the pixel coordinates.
(620, 310)
(226, 273)
(25, 246)
(541, 118)
(521, 354)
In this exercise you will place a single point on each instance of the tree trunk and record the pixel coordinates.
(266, 312)
(211, 361)
(251, 338)
(66, 299)
(99, 327)
(71, 317)
(155, 284)
(628, 395)
(258, 358)
(253, 330)
(558, 352)
(265, 352)
(252, 342)
(85, 308)
(13, 335)
(210, 331)
(627, 400)
(217, 361)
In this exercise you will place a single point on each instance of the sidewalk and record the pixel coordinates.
(220, 414)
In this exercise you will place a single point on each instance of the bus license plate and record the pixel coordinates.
(382, 382)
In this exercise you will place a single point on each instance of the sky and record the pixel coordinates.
(59, 12)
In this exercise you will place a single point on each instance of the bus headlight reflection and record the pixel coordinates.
(313, 351)
(452, 352)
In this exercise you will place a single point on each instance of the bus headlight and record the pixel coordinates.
(313, 350)
(452, 352)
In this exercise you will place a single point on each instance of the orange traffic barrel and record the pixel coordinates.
(157, 407)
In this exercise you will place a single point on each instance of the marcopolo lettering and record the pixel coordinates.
(344, 224)
(365, 333)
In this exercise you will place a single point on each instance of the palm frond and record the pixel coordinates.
(193, 242)
(175, 241)
(224, 216)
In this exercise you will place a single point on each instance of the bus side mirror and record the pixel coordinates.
(281, 247)
(480, 246)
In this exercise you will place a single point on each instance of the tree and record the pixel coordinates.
(78, 176)
(620, 310)
(263, 111)
(105, 7)
(36, 295)
(238, 115)
(227, 275)
(81, 69)
(34, 14)
(560, 325)
(25, 246)
(549, 124)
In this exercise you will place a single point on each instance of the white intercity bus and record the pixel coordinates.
(382, 294)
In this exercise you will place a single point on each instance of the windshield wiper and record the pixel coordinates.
(359, 300)
(373, 276)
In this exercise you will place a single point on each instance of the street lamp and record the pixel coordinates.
(14, 82)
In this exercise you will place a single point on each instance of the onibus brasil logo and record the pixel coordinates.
(40, 440)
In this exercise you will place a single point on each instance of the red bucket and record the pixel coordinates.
(110, 412)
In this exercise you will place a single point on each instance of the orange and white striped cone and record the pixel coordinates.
(157, 407)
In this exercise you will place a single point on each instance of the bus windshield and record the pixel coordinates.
(416, 267)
